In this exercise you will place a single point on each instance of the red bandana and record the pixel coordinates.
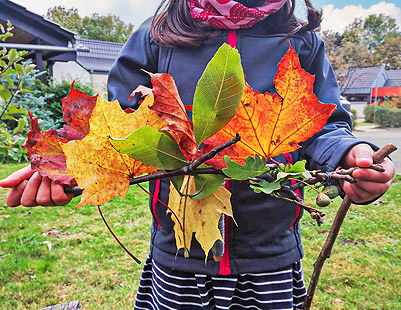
(229, 14)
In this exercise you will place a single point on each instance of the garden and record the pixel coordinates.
(57, 254)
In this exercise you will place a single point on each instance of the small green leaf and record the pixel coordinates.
(19, 68)
(177, 182)
(152, 147)
(22, 122)
(5, 94)
(206, 184)
(265, 187)
(12, 56)
(252, 168)
(297, 170)
(9, 80)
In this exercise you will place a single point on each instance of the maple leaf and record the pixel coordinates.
(101, 171)
(270, 125)
(43, 148)
(198, 216)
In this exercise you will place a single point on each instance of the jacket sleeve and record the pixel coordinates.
(326, 149)
(139, 52)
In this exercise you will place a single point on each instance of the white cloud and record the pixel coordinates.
(337, 19)
(130, 11)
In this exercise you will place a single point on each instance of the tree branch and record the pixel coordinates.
(325, 253)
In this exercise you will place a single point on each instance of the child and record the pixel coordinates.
(261, 266)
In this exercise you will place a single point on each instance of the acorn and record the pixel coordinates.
(332, 191)
(322, 200)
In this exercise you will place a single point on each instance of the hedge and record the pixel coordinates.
(385, 116)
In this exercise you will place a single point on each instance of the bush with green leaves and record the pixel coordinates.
(13, 120)
(384, 115)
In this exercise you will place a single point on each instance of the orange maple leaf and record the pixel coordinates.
(270, 125)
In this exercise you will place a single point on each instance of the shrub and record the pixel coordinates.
(385, 115)
(13, 121)
(354, 117)
(369, 113)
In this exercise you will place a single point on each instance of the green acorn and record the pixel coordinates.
(332, 191)
(322, 200)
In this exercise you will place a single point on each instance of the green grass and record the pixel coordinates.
(361, 124)
(85, 263)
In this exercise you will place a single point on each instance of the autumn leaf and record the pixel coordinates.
(111, 120)
(43, 148)
(101, 171)
(198, 216)
(270, 125)
(169, 107)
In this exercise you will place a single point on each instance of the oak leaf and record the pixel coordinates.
(101, 171)
(270, 125)
(198, 216)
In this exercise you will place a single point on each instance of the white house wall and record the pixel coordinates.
(70, 71)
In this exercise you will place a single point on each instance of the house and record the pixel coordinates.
(367, 85)
(61, 51)
(91, 65)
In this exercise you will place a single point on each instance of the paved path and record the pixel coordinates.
(380, 137)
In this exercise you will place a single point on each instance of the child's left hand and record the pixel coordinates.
(370, 183)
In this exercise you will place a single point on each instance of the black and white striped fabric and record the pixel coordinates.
(163, 288)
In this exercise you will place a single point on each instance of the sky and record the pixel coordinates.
(337, 13)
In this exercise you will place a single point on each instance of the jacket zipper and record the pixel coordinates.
(225, 267)
(154, 201)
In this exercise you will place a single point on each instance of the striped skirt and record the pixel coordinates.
(164, 288)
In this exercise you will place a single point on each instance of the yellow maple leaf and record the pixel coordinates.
(108, 119)
(101, 171)
(198, 216)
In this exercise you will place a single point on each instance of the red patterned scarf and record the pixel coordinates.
(229, 14)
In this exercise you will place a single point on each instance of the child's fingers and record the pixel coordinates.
(28, 198)
(17, 177)
(59, 197)
(43, 196)
(14, 195)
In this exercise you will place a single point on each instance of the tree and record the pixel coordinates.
(379, 35)
(96, 27)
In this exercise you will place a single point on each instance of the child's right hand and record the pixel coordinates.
(29, 189)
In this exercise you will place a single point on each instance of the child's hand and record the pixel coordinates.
(29, 189)
(370, 183)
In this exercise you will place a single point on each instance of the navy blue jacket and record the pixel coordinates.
(268, 233)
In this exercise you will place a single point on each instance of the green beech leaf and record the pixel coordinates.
(218, 93)
(152, 147)
(265, 187)
(252, 168)
(206, 184)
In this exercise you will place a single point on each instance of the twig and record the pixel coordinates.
(191, 169)
(115, 237)
(325, 253)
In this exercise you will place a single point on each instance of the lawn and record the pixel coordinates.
(56, 254)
